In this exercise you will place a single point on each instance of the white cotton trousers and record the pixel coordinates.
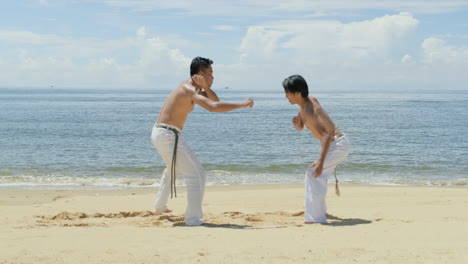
(187, 165)
(316, 188)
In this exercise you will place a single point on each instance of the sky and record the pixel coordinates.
(345, 45)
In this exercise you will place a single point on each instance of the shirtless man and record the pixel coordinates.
(171, 145)
(335, 146)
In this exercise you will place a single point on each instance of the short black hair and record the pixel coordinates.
(296, 84)
(198, 64)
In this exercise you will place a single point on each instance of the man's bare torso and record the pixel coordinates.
(178, 105)
(317, 120)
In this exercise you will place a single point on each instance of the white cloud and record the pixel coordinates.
(225, 28)
(44, 2)
(442, 65)
(44, 60)
(27, 37)
(264, 7)
(159, 57)
(437, 50)
(406, 58)
(141, 32)
(371, 54)
(375, 54)
(261, 41)
(416, 6)
(320, 40)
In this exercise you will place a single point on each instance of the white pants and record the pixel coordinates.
(187, 165)
(316, 188)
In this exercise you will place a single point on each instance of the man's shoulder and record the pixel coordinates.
(187, 88)
(311, 108)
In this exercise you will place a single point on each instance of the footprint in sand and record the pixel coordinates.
(298, 214)
(232, 213)
(171, 218)
(148, 218)
(253, 219)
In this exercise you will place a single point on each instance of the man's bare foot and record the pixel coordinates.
(309, 223)
(196, 223)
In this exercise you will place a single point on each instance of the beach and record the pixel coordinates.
(244, 224)
(101, 102)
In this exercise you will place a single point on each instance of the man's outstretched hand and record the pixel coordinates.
(248, 103)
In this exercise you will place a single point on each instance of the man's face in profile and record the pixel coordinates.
(291, 97)
(207, 74)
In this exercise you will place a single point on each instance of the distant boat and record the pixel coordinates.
(226, 87)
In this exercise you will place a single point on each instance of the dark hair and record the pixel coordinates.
(198, 64)
(296, 84)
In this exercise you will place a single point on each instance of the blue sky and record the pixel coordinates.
(255, 44)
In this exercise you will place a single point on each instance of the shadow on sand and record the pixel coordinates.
(337, 221)
(209, 225)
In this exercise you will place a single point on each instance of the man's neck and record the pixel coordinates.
(197, 87)
(303, 102)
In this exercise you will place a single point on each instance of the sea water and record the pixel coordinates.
(97, 138)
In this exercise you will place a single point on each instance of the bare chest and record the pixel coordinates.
(310, 121)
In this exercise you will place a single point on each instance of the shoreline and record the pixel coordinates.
(182, 186)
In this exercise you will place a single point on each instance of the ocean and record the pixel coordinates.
(100, 139)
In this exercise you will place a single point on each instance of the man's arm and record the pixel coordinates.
(210, 94)
(327, 132)
(297, 123)
(199, 80)
(220, 107)
(325, 143)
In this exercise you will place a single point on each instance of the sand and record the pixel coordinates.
(245, 224)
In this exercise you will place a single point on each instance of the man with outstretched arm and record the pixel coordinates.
(335, 146)
(176, 153)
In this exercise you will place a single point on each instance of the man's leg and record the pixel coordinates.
(189, 167)
(315, 193)
(316, 188)
(163, 193)
(163, 140)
